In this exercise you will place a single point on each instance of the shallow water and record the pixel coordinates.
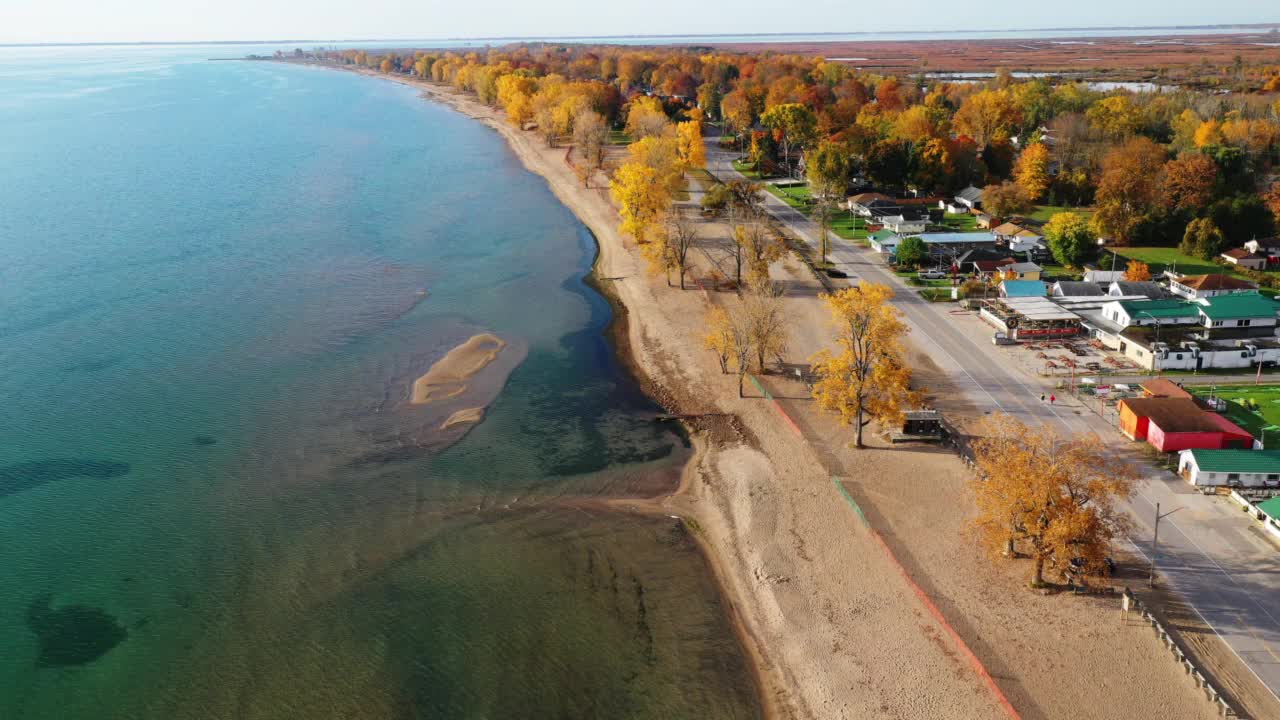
(215, 500)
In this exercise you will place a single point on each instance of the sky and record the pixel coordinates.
(46, 21)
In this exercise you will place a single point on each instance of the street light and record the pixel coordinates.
(1155, 543)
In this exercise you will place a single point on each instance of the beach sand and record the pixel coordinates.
(469, 416)
(449, 375)
(832, 625)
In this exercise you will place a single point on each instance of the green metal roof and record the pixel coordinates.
(1240, 305)
(882, 235)
(1271, 508)
(1161, 308)
(1241, 461)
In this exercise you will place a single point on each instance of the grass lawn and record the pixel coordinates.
(619, 137)
(936, 294)
(747, 169)
(1044, 212)
(797, 196)
(1162, 258)
(1052, 273)
(1267, 397)
(960, 223)
(849, 226)
(704, 179)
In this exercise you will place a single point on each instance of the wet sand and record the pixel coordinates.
(449, 375)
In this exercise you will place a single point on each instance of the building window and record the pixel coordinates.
(1217, 323)
(1244, 323)
(1178, 356)
(1273, 476)
(1138, 351)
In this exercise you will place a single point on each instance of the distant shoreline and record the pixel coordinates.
(665, 38)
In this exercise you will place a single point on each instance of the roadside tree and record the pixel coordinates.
(911, 251)
(1047, 497)
(867, 378)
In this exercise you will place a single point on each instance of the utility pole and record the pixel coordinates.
(1155, 543)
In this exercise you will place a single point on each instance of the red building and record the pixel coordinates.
(1170, 424)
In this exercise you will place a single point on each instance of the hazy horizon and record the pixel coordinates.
(196, 21)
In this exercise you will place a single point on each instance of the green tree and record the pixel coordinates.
(1070, 237)
(828, 168)
(911, 252)
(1202, 239)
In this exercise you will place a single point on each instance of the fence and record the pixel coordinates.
(1130, 603)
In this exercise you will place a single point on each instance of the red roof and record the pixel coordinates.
(1215, 282)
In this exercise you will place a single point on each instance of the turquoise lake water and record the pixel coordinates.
(217, 282)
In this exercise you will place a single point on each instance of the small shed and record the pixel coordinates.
(1234, 468)
(920, 425)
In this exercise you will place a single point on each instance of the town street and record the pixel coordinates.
(1210, 552)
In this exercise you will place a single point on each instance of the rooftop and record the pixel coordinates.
(1174, 415)
(1024, 267)
(1036, 308)
(1240, 305)
(1161, 308)
(1215, 282)
(956, 237)
(1073, 288)
(1243, 461)
(1027, 289)
(1271, 508)
(1163, 387)
(1147, 288)
(1243, 254)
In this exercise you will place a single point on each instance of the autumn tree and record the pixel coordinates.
(765, 321)
(681, 234)
(867, 378)
(827, 167)
(1115, 117)
(795, 124)
(824, 210)
(719, 336)
(1032, 171)
(1128, 189)
(663, 155)
(641, 196)
(987, 116)
(646, 118)
(590, 137)
(689, 145)
(1272, 200)
(1070, 237)
(1137, 271)
(1202, 239)
(1188, 182)
(755, 248)
(1005, 199)
(1047, 497)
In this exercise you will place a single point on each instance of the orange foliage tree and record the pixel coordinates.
(1048, 497)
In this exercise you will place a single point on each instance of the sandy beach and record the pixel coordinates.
(833, 614)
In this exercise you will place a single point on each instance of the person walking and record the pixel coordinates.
(1041, 397)
(1053, 399)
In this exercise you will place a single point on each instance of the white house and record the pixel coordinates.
(1197, 287)
(970, 198)
(1240, 310)
(1234, 468)
(1245, 258)
(904, 224)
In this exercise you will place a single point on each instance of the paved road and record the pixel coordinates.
(1209, 551)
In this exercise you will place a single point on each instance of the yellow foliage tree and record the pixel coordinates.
(1209, 133)
(1048, 497)
(663, 155)
(689, 145)
(868, 379)
(646, 118)
(1032, 171)
(1137, 271)
(719, 337)
(987, 116)
(641, 198)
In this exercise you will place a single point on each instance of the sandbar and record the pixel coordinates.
(448, 376)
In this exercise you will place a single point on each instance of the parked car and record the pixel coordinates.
(934, 274)
(834, 273)
(1002, 339)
